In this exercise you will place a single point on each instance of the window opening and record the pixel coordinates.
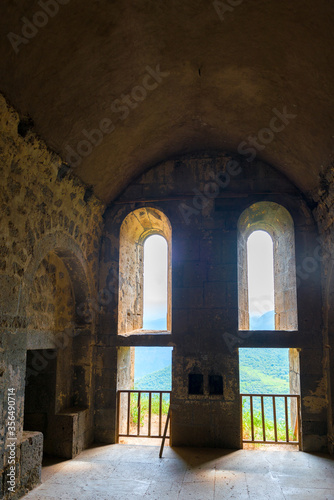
(144, 397)
(155, 283)
(270, 397)
(260, 265)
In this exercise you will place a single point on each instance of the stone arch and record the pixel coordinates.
(278, 223)
(135, 229)
(60, 334)
(66, 249)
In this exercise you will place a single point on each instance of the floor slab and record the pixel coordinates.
(125, 472)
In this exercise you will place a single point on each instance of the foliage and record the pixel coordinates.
(160, 380)
(264, 371)
(269, 426)
(144, 406)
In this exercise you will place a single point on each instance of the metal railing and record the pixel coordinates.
(142, 414)
(265, 418)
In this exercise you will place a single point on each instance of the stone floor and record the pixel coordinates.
(133, 472)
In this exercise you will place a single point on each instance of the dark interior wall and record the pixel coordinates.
(329, 349)
(203, 197)
(324, 258)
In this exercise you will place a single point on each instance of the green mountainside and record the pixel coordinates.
(263, 371)
(255, 381)
(160, 380)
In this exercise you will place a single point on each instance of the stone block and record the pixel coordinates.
(215, 295)
(214, 424)
(210, 249)
(194, 274)
(184, 298)
(31, 458)
(222, 273)
(186, 247)
(229, 250)
(68, 429)
(9, 294)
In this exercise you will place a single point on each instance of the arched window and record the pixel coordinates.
(155, 283)
(260, 267)
(141, 299)
(276, 223)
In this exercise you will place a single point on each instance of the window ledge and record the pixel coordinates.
(141, 331)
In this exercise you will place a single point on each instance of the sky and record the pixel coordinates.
(260, 273)
(155, 281)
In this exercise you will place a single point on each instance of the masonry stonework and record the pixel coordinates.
(63, 345)
(203, 197)
(49, 248)
(324, 258)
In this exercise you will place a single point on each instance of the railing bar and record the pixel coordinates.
(144, 436)
(160, 413)
(263, 420)
(252, 417)
(146, 392)
(128, 416)
(275, 421)
(270, 395)
(297, 425)
(286, 419)
(298, 418)
(164, 434)
(241, 419)
(265, 442)
(138, 408)
(149, 413)
(118, 414)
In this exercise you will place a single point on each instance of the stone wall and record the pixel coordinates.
(324, 257)
(203, 197)
(49, 247)
(59, 275)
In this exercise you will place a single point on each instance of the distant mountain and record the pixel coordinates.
(263, 371)
(160, 380)
(264, 322)
(151, 359)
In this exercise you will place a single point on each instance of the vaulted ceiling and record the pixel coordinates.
(226, 65)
